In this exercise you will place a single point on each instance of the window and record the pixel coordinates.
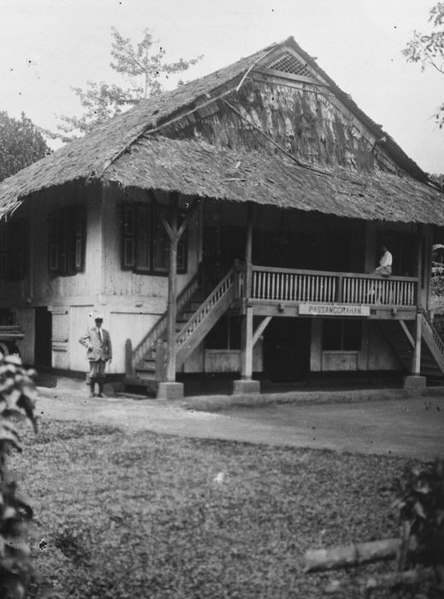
(341, 335)
(14, 249)
(67, 241)
(145, 243)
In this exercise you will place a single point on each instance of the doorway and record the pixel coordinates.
(287, 343)
(43, 338)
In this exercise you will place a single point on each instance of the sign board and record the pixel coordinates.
(341, 310)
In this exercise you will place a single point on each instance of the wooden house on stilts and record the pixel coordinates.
(229, 226)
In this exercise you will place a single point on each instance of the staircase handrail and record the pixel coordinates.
(433, 333)
(159, 327)
(205, 308)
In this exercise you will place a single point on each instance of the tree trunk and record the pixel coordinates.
(317, 560)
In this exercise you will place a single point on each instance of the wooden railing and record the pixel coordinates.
(205, 316)
(280, 284)
(155, 333)
(433, 340)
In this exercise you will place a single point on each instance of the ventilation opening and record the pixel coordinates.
(289, 64)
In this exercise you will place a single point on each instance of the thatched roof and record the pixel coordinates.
(201, 169)
(88, 157)
(117, 151)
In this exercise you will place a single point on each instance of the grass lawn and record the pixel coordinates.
(150, 516)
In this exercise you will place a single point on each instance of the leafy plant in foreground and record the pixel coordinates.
(17, 396)
(421, 508)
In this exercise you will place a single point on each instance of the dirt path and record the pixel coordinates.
(407, 427)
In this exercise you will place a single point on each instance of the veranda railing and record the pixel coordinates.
(280, 284)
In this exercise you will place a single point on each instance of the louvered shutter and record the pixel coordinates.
(128, 237)
(54, 243)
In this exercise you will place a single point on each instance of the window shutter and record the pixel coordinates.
(182, 253)
(161, 246)
(18, 249)
(128, 237)
(64, 226)
(80, 237)
(54, 247)
(143, 238)
(145, 243)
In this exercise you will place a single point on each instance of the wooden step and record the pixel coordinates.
(146, 366)
(145, 376)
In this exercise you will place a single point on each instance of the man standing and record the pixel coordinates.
(98, 343)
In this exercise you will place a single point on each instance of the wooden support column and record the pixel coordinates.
(246, 384)
(247, 328)
(249, 253)
(415, 383)
(416, 366)
(172, 295)
(420, 265)
(247, 345)
(170, 389)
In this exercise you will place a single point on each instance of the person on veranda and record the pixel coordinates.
(97, 340)
(385, 263)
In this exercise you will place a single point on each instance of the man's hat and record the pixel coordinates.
(98, 317)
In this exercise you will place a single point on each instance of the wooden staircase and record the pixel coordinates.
(196, 316)
(432, 347)
(433, 369)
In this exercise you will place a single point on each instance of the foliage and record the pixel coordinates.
(421, 507)
(17, 392)
(428, 49)
(142, 65)
(21, 144)
(438, 281)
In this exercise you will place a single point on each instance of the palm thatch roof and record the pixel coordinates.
(201, 169)
(87, 158)
(120, 151)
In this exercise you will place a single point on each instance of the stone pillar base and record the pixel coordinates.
(246, 386)
(170, 390)
(415, 383)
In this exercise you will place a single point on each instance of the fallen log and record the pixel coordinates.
(317, 560)
(407, 578)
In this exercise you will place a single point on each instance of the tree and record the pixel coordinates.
(21, 144)
(142, 65)
(428, 49)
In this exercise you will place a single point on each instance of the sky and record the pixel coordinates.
(50, 45)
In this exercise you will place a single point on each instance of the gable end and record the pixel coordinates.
(288, 63)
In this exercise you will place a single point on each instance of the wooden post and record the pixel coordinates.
(170, 389)
(172, 295)
(249, 253)
(174, 233)
(247, 345)
(246, 384)
(247, 325)
(416, 366)
(419, 267)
